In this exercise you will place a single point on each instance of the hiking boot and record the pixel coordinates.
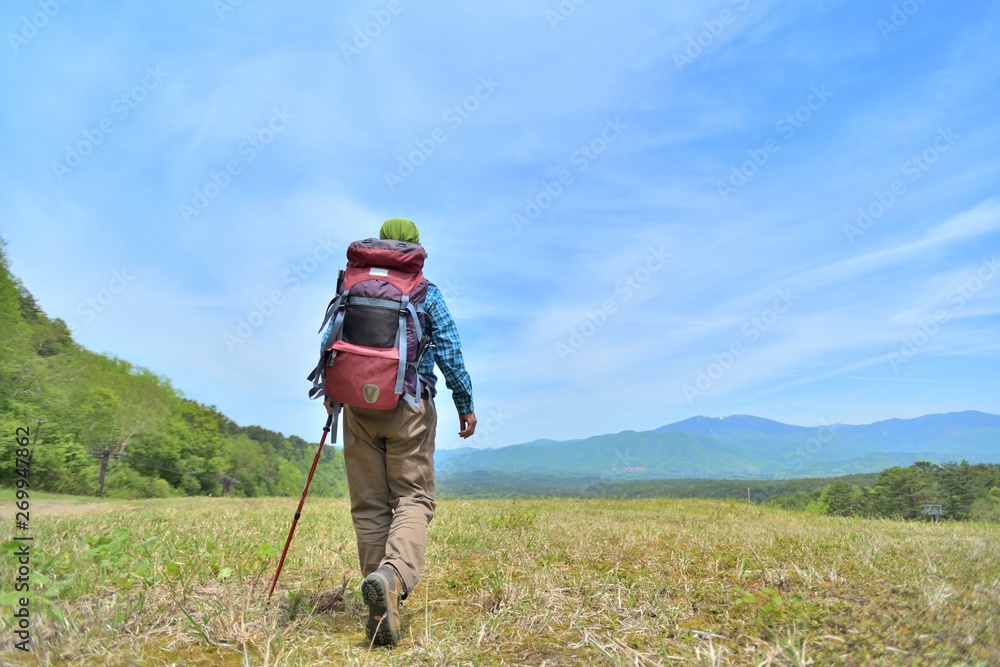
(381, 591)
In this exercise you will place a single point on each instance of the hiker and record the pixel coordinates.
(389, 447)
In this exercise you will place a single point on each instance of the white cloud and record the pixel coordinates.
(516, 296)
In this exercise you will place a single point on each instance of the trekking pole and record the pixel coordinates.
(298, 512)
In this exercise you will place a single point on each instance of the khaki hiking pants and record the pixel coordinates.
(389, 457)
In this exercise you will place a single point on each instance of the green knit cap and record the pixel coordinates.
(399, 229)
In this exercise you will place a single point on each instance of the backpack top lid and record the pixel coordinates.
(387, 253)
(396, 262)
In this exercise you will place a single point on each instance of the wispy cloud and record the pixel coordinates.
(697, 89)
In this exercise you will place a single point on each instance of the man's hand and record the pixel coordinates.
(467, 424)
(328, 406)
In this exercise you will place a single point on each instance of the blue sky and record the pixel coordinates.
(637, 212)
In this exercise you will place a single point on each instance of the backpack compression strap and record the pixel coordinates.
(335, 311)
(336, 420)
(403, 307)
(407, 307)
(423, 345)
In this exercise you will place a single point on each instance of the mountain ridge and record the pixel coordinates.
(742, 446)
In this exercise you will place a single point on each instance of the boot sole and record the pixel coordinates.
(373, 590)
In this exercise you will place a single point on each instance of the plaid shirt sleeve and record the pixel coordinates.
(448, 350)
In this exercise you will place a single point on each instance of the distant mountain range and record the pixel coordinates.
(743, 446)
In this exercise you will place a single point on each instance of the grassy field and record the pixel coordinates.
(507, 582)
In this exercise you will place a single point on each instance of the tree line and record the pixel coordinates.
(497, 484)
(962, 490)
(101, 411)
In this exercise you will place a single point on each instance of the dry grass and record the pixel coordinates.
(560, 582)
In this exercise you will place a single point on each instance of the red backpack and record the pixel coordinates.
(379, 331)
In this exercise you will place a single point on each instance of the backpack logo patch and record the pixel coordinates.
(371, 392)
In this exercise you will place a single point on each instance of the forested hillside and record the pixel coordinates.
(957, 490)
(157, 442)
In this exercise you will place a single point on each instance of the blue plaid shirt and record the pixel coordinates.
(447, 352)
